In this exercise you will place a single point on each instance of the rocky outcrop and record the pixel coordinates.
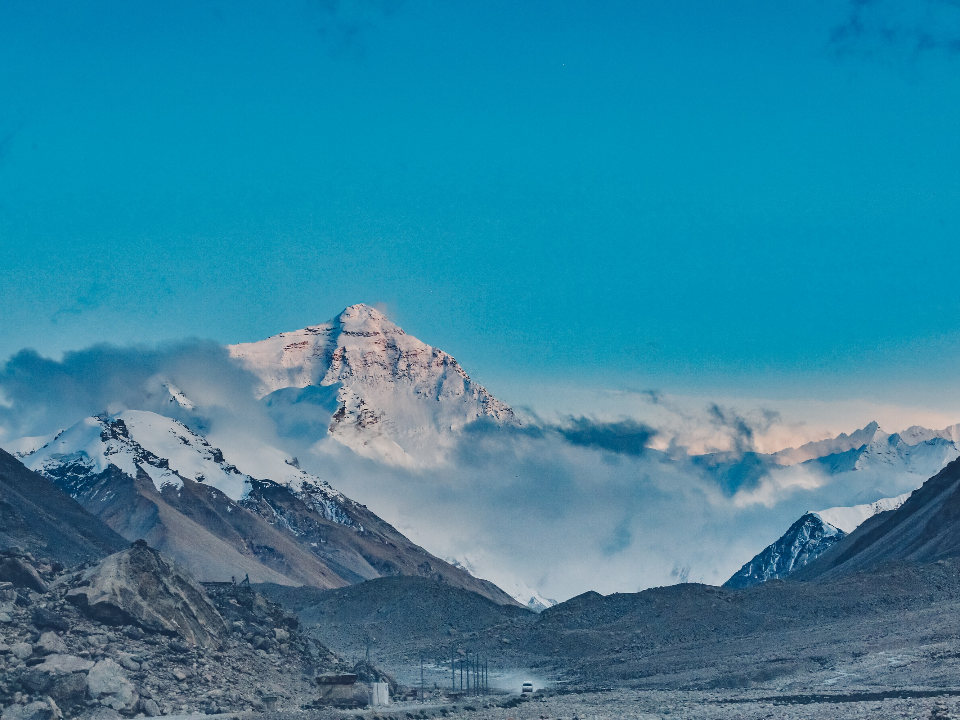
(806, 540)
(57, 661)
(16, 572)
(141, 587)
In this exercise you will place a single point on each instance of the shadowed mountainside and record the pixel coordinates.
(40, 518)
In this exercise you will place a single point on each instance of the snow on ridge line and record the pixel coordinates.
(167, 451)
(849, 519)
(361, 346)
(521, 592)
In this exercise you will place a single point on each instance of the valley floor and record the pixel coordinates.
(667, 705)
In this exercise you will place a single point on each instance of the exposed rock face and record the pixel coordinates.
(140, 587)
(14, 570)
(806, 540)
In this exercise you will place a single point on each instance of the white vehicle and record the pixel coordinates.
(527, 688)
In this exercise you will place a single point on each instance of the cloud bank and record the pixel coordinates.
(564, 507)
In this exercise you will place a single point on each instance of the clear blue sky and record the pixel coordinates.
(690, 194)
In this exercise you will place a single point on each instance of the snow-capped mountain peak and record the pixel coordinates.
(169, 452)
(518, 590)
(870, 433)
(398, 399)
(915, 434)
(807, 539)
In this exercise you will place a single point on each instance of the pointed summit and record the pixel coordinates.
(357, 315)
(396, 395)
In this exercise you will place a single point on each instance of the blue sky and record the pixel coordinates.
(740, 197)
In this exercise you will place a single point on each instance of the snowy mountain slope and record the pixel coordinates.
(916, 434)
(923, 529)
(807, 539)
(849, 519)
(840, 444)
(888, 465)
(398, 399)
(21, 447)
(169, 452)
(148, 476)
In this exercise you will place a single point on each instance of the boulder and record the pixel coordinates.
(65, 664)
(51, 643)
(39, 710)
(43, 618)
(108, 683)
(21, 650)
(21, 574)
(67, 688)
(141, 587)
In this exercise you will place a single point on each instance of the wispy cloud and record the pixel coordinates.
(343, 24)
(907, 27)
(627, 436)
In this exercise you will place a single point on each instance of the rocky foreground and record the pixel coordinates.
(135, 636)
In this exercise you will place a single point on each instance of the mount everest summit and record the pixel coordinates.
(393, 398)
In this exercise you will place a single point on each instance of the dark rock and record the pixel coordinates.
(44, 618)
(21, 574)
(67, 687)
(39, 710)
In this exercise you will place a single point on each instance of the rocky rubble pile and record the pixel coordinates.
(134, 635)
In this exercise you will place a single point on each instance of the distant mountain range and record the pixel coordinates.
(150, 477)
(361, 381)
(915, 453)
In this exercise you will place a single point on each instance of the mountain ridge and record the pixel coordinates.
(150, 477)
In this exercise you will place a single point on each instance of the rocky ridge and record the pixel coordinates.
(149, 477)
(807, 539)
